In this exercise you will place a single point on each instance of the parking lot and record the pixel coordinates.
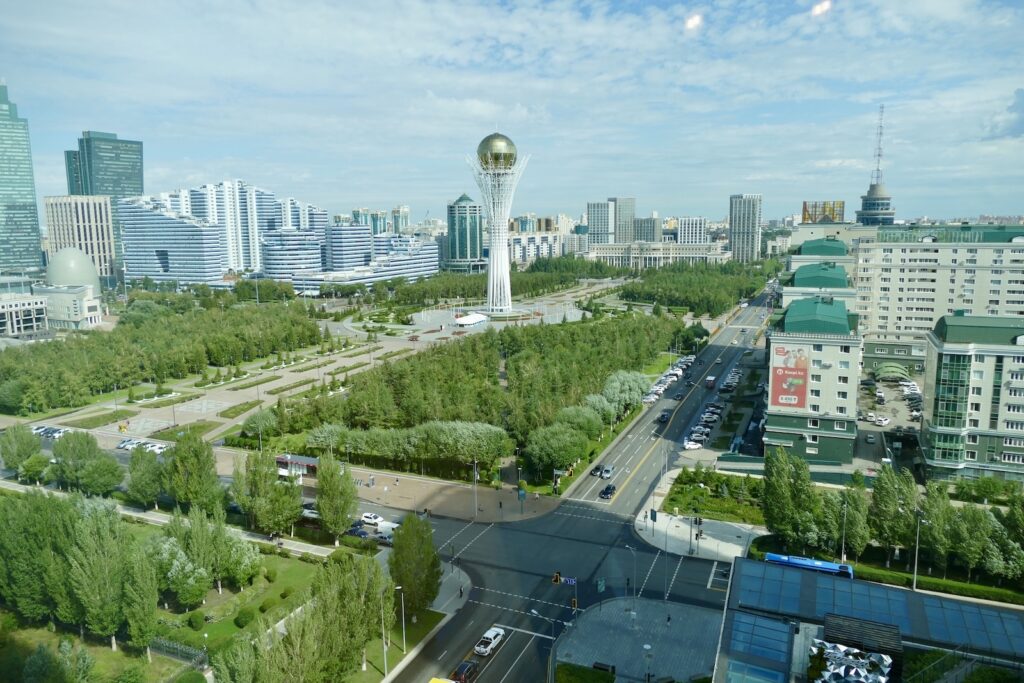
(887, 406)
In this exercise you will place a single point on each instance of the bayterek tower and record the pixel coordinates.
(497, 169)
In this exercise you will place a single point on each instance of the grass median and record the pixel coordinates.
(289, 387)
(236, 410)
(414, 633)
(174, 433)
(93, 421)
(256, 383)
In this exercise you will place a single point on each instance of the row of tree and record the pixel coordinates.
(970, 536)
(153, 343)
(703, 289)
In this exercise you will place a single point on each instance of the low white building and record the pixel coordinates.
(70, 307)
(639, 255)
(22, 314)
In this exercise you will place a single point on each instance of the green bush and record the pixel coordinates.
(991, 674)
(196, 620)
(358, 543)
(133, 674)
(287, 592)
(192, 676)
(245, 617)
(271, 574)
(269, 603)
(266, 548)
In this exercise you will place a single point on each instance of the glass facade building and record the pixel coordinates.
(465, 236)
(745, 227)
(19, 215)
(104, 165)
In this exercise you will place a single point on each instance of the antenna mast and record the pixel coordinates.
(876, 176)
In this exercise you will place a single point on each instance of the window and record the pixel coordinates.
(842, 395)
(844, 380)
(844, 349)
(976, 391)
(976, 407)
(812, 438)
(841, 410)
(1018, 359)
(840, 426)
(1014, 408)
(812, 450)
(815, 378)
(844, 365)
(812, 423)
(816, 393)
(1013, 441)
(973, 422)
(971, 455)
(815, 408)
(881, 352)
(1013, 457)
(816, 363)
(980, 374)
(816, 347)
(1015, 425)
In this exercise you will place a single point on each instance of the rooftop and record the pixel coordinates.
(978, 329)
(824, 247)
(971, 233)
(821, 276)
(817, 315)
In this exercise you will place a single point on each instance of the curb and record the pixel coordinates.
(413, 653)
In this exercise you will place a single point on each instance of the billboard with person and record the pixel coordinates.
(789, 368)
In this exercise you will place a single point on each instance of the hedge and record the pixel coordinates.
(269, 603)
(358, 543)
(192, 676)
(245, 617)
(196, 620)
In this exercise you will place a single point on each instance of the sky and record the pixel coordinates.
(375, 104)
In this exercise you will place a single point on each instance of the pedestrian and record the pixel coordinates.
(396, 481)
(668, 619)
(460, 591)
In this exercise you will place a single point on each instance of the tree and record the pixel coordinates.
(75, 662)
(190, 473)
(777, 502)
(41, 666)
(806, 503)
(972, 531)
(937, 524)
(145, 477)
(336, 498)
(73, 452)
(858, 532)
(893, 501)
(280, 508)
(140, 600)
(97, 568)
(35, 468)
(18, 444)
(414, 563)
(583, 419)
(100, 475)
(555, 446)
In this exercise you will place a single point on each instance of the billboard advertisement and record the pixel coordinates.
(789, 377)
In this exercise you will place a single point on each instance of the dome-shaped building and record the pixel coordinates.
(496, 151)
(71, 266)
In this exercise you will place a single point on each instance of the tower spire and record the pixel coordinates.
(876, 175)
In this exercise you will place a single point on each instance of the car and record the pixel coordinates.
(698, 438)
(680, 396)
(869, 438)
(309, 511)
(371, 518)
(690, 445)
(357, 532)
(384, 538)
(899, 429)
(607, 471)
(489, 641)
(882, 421)
(734, 342)
(607, 492)
(38, 429)
(596, 471)
(664, 417)
(915, 414)
(718, 361)
(466, 672)
(720, 406)
(911, 429)
(356, 524)
(710, 417)
(690, 383)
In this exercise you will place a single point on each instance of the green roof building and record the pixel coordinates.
(823, 247)
(821, 276)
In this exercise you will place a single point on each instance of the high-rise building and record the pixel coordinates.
(289, 253)
(646, 229)
(601, 222)
(361, 216)
(399, 219)
(465, 236)
(823, 212)
(378, 222)
(85, 222)
(20, 246)
(625, 212)
(166, 246)
(348, 246)
(745, 227)
(104, 165)
(692, 230)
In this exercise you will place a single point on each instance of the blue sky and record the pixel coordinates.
(349, 104)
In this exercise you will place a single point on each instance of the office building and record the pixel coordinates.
(639, 255)
(287, 252)
(691, 230)
(22, 314)
(70, 307)
(745, 227)
(84, 222)
(348, 246)
(399, 219)
(601, 222)
(624, 210)
(104, 165)
(647, 230)
(167, 246)
(407, 257)
(361, 216)
(973, 421)
(814, 355)
(19, 217)
(378, 222)
(831, 211)
(465, 242)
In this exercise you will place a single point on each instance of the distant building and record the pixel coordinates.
(287, 252)
(70, 307)
(104, 165)
(348, 246)
(166, 246)
(827, 250)
(639, 255)
(814, 357)
(20, 248)
(407, 257)
(399, 219)
(825, 279)
(692, 230)
(745, 227)
(625, 212)
(361, 216)
(601, 222)
(465, 242)
(777, 245)
(876, 207)
(85, 222)
(823, 212)
(524, 249)
(647, 229)
(378, 222)
(22, 314)
(71, 267)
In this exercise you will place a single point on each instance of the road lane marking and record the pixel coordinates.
(712, 577)
(526, 597)
(472, 541)
(649, 570)
(672, 582)
(442, 655)
(457, 534)
(511, 609)
(594, 517)
(525, 648)
(491, 657)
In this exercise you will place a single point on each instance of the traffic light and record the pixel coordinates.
(557, 577)
(574, 603)
(654, 515)
(700, 520)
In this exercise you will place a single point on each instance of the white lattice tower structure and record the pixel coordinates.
(497, 170)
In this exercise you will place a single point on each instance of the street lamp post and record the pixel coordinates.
(842, 552)
(402, 594)
(917, 543)
(383, 636)
(550, 621)
(632, 550)
(475, 505)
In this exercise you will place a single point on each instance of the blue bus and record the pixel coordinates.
(822, 566)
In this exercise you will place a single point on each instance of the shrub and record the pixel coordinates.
(266, 548)
(358, 543)
(133, 674)
(269, 603)
(245, 617)
(192, 676)
(286, 593)
(196, 620)
(271, 574)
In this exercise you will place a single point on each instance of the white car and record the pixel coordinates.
(691, 445)
(489, 641)
(371, 518)
(915, 414)
(698, 438)
(882, 421)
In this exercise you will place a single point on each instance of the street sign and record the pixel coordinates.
(569, 580)
(522, 494)
(559, 473)
(600, 585)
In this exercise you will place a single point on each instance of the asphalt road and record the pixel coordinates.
(587, 539)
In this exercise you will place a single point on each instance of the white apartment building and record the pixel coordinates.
(692, 230)
(601, 222)
(524, 249)
(745, 227)
(85, 222)
(638, 255)
(286, 252)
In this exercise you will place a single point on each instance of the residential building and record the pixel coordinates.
(70, 307)
(776, 245)
(85, 222)
(19, 216)
(818, 279)
(577, 241)
(104, 165)
(745, 227)
(361, 216)
(465, 242)
(524, 249)
(691, 230)
(399, 219)
(22, 314)
(814, 355)
(287, 252)
(167, 246)
(639, 255)
(601, 222)
(647, 230)
(823, 212)
(973, 422)
(378, 222)
(624, 209)
(348, 246)
(408, 257)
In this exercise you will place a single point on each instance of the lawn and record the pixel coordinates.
(199, 427)
(736, 505)
(170, 401)
(288, 387)
(250, 385)
(393, 354)
(16, 645)
(414, 633)
(574, 673)
(236, 410)
(362, 351)
(659, 365)
(311, 365)
(93, 421)
(347, 368)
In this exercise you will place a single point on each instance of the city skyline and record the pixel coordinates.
(695, 119)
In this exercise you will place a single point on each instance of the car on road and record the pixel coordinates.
(690, 383)
(664, 417)
(371, 518)
(735, 341)
(607, 471)
(596, 472)
(718, 361)
(869, 438)
(489, 641)
(698, 438)
(466, 672)
(691, 445)
(882, 421)
(607, 492)
(680, 396)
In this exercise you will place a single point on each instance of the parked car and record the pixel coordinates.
(870, 438)
(680, 396)
(309, 511)
(489, 641)
(691, 445)
(664, 417)
(357, 532)
(372, 518)
(882, 421)
(607, 492)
